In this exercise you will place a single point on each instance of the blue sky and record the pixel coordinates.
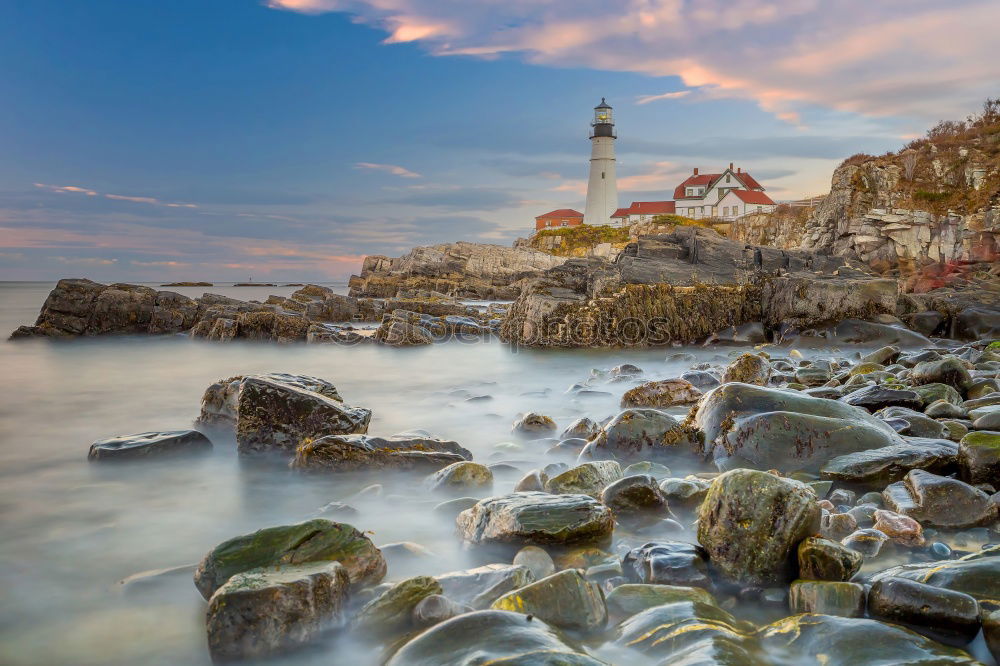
(216, 139)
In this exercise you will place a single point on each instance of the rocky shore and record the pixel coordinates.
(768, 510)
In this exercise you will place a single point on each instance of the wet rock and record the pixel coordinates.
(631, 598)
(979, 457)
(316, 540)
(274, 413)
(687, 493)
(149, 445)
(991, 632)
(653, 469)
(348, 453)
(836, 526)
(481, 586)
(977, 323)
(976, 574)
(949, 370)
(665, 393)
(891, 463)
(939, 501)
(914, 424)
(262, 612)
(459, 477)
(823, 559)
(392, 611)
(943, 615)
(826, 597)
(701, 380)
(583, 428)
(986, 418)
(751, 522)
(867, 541)
(537, 560)
(434, 609)
(901, 529)
(633, 496)
(812, 375)
(942, 409)
(936, 391)
(641, 433)
(842, 641)
(490, 636)
(536, 518)
(792, 442)
(590, 478)
(668, 563)
(565, 599)
(402, 328)
(402, 553)
(534, 424)
(877, 396)
(453, 507)
(688, 632)
(887, 354)
(534, 480)
(748, 369)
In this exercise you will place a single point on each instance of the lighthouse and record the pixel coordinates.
(602, 188)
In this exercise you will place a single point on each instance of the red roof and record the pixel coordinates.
(707, 179)
(562, 212)
(753, 197)
(748, 181)
(646, 208)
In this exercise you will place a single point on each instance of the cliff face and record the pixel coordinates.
(467, 270)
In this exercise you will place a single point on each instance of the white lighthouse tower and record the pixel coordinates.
(602, 188)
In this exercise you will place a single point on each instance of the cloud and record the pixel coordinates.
(917, 58)
(66, 189)
(72, 189)
(87, 261)
(159, 263)
(394, 169)
(646, 99)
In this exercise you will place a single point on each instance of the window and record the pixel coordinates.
(565, 223)
(715, 211)
(690, 191)
(602, 175)
(758, 209)
(729, 178)
(701, 190)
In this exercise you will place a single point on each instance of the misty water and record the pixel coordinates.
(73, 530)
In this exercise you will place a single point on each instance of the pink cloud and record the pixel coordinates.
(393, 169)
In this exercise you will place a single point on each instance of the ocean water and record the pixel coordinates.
(72, 530)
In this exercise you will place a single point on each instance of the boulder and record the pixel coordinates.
(977, 323)
(665, 393)
(687, 493)
(536, 518)
(949, 370)
(401, 328)
(490, 636)
(877, 467)
(483, 585)
(583, 428)
(316, 540)
(688, 632)
(939, 501)
(459, 477)
(946, 616)
(748, 369)
(435, 609)
(751, 523)
(823, 559)
(534, 424)
(641, 433)
(149, 445)
(936, 391)
(349, 453)
(976, 574)
(877, 396)
(628, 599)
(634, 496)
(392, 611)
(979, 457)
(565, 599)
(590, 478)
(827, 597)
(668, 563)
(262, 612)
(701, 380)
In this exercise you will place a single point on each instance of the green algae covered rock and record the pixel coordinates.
(391, 611)
(936, 391)
(822, 559)
(459, 477)
(694, 630)
(949, 370)
(315, 540)
(748, 369)
(491, 636)
(979, 456)
(751, 523)
(536, 518)
(565, 599)
(641, 433)
(631, 598)
(262, 612)
(590, 478)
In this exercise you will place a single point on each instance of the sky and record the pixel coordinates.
(287, 139)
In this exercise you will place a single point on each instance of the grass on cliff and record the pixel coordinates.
(578, 239)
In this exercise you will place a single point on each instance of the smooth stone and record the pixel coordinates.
(150, 445)
(942, 409)
(700, 379)
(887, 354)
(641, 433)
(659, 394)
(748, 369)
(492, 636)
(824, 559)
(316, 540)
(533, 423)
(876, 397)
(262, 612)
(939, 501)
(943, 615)
(976, 574)
(836, 526)
(688, 632)
(899, 528)
(979, 457)
(534, 480)
(590, 478)
(633, 496)
(685, 493)
(891, 463)
(827, 597)
(434, 609)
(566, 600)
(936, 391)
(453, 507)
(867, 541)
(481, 586)
(392, 611)
(583, 428)
(349, 453)
(986, 418)
(628, 599)
(668, 563)
(991, 632)
(751, 522)
(654, 469)
(537, 560)
(917, 424)
(949, 370)
(536, 518)
(459, 477)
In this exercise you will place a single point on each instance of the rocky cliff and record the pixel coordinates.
(464, 270)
